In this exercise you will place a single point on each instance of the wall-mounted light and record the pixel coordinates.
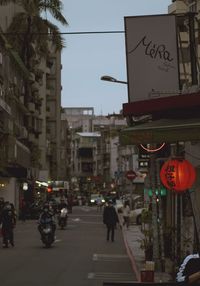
(25, 186)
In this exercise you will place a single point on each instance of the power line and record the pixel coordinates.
(68, 33)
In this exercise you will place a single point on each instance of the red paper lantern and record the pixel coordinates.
(177, 175)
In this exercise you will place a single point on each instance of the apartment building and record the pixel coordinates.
(97, 159)
(53, 114)
(31, 100)
(15, 158)
(189, 56)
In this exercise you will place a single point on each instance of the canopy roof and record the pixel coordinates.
(163, 130)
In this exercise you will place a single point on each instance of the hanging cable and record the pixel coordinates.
(70, 33)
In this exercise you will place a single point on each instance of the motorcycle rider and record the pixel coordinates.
(47, 216)
(62, 206)
(8, 222)
(189, 270)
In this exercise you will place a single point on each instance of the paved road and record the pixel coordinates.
(80, 256)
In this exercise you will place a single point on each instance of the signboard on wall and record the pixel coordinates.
(152, 57)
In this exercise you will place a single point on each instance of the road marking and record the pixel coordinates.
(85, 222)
(86, 215)
(111, 276)
(91, 222)
(109, 257)
(76, 219)
(85, 209)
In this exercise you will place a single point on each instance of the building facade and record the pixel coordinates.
(31, 100)
(98, 162)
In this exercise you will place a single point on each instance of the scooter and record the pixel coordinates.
(62, 218)
(47, 233)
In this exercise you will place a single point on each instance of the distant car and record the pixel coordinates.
(136, 216)
(94, 199)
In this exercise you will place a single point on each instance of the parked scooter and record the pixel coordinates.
(62, 218)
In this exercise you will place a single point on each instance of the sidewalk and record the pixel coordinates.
(136, 254)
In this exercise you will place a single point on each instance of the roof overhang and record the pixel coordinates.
(163, 130)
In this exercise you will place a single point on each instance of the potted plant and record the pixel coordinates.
(146, 242)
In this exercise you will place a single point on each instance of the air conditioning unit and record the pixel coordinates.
(21, 98)
(31, 77)
(1, 91)
(31, 107)
(23, 90)
(24, 133)
(15, 80)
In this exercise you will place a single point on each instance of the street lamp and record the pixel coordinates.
(112, 79)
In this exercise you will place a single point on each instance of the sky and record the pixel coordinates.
(87, 57)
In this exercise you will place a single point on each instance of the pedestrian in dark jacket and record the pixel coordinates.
(189, 271)
(110, 219)
(8, 222)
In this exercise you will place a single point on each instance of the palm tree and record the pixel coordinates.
(30, 29)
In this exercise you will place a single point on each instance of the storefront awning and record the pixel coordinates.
(163, 130)
(162, 107)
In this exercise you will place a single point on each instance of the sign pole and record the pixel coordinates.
(154, 210)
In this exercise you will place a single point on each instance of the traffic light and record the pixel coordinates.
(162, 192)
(49, 189)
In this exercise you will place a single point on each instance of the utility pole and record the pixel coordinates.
(154, 211)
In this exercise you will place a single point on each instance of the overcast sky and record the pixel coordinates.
(87, 57)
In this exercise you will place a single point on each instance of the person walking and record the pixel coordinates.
(8, 222)
(110, 219)
(99, 203)
(189, 270)
(126, 214)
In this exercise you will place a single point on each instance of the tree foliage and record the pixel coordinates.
(30, 32)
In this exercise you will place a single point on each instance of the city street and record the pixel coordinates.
(80, 255)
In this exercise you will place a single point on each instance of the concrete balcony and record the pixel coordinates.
(23, 155)
(38, 126)
(48, 70)
(21, 98)
(31, 137)
(18, 153)
(4, 106)
(35, 86)
(31, 107)
(23, 133)
(48, 91)
(48, 113)
(48, 151)
(31, 77)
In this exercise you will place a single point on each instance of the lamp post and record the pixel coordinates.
(112, 79)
